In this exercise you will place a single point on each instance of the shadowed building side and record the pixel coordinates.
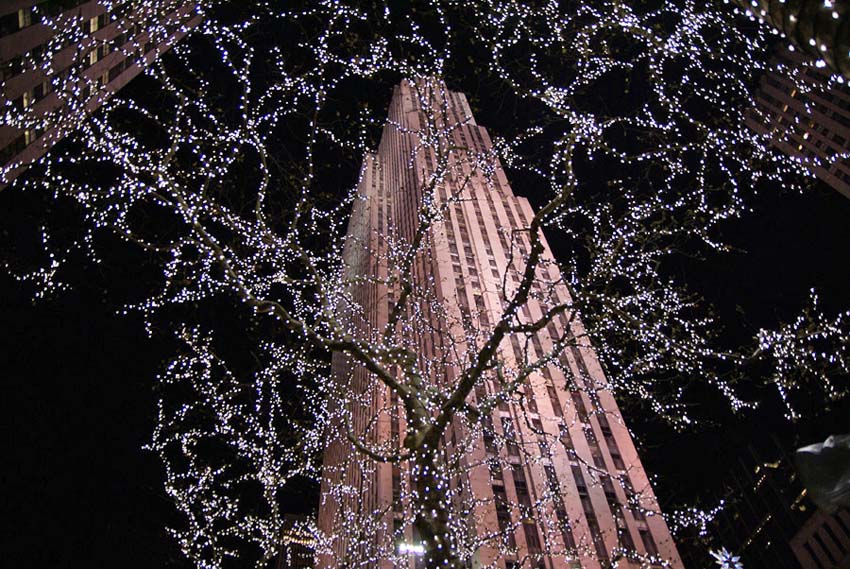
(60, 61)
(813, 126)
(824, 541)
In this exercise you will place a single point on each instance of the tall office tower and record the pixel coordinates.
(546, 475)
(61, 60)
(805, 120)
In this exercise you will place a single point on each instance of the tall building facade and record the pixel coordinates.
(552, 479)
(61, 60)
(805, 120)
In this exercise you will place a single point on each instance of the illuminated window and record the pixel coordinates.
(24, 17)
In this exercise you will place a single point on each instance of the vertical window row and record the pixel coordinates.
(510, 437)
(529, 527)
(589, 514)
(529, 398)
(476, 131)
(489, 435)
(578, 403)
(634, 499)
(503, 515)
(648, 542)
(560, 509)
(593, 445)
(396, 488)
(613, 449)
(554, 401)
(624, 537)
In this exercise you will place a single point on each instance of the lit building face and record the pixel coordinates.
(539, 470)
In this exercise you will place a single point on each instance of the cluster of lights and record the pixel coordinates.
(667, 193)
(726, 560)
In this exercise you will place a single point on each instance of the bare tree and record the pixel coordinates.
(251, 218)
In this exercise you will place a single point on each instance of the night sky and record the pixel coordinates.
(79, 400)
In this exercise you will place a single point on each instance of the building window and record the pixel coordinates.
(31, 135)
(532, 538)
(579, 480)
(625, 540)
(116, 70)
(396, 488)
(810, 550)
(839, 517)
(617, 459)
(553, 399)
(9, 24)
(578, 402)
(495, 469)
(566, 530)
(12, 149)
(598, 542)
(648, 542)
(529, 400)
(510, 437)
(503, 516)
(489, 438)
(520, 483)
(11, 68)
(24, 18)
(819, 538)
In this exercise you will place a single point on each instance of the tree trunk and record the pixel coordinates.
(432, 518)
(816, 28)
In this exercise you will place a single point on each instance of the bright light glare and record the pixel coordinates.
(412, 548)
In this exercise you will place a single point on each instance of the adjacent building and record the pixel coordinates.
(61, 60)
(297, 544)
(765, 508)
(553, 480)
(804, 119)
(769, 522)
(824, 541)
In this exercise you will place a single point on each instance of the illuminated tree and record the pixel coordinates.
(820, 28)
(230, 185)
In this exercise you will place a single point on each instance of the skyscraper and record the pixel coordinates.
(548, 477)
(805, 120)
(55, 75)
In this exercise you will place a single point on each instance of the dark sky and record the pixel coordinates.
(78, 405)
(79, 400)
